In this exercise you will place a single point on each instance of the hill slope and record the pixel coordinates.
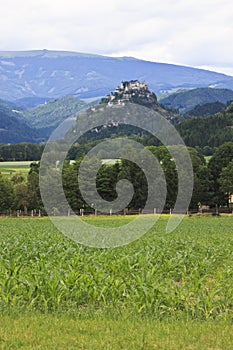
(54, 74)
(46, 117)
(211, 131)
(14, 130)
(206, 110)
(125, 100)
(31, 102)
(187, 100)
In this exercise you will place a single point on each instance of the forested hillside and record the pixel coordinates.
(47, 116)
(15, 130)
(205, 110)
(183, 101)
(211, 131)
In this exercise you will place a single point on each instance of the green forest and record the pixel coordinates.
(212, 182)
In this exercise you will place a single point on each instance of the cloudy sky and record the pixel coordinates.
(188, 32)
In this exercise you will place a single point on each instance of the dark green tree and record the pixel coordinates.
(226, 180)
(221, 158)
(70, 185)
(7, 195)
(106, 181)
(169, 168)
(34, 197)
(21, 192)
(91, 165)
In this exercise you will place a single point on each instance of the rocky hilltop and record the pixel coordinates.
(126, 96)
(132, 91)
(137, 92)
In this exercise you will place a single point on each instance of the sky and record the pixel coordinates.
(187, 32)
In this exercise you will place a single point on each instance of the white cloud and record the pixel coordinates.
(197, 33)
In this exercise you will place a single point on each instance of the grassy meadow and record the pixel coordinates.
(9, 169)
(164, 291)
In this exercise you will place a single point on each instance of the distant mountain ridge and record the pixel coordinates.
(31, 102)
(54, 74)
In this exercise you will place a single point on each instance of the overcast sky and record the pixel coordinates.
(188, 32)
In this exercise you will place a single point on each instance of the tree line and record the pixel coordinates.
(24, 151)
(213, 182)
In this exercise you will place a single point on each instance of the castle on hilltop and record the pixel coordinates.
(133, 85)
(134, 92)
(128, 90)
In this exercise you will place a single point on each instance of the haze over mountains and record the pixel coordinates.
(55, 74)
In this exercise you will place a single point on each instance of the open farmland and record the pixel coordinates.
(186, 273)
(178, 277)
(166, 279)
(9, 169)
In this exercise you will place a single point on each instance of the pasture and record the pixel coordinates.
(164, 291)
(9, 169)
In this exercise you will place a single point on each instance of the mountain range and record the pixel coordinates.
(55, 74)
(40, 89)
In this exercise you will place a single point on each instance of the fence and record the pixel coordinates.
(216, 211)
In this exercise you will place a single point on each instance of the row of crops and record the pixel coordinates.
(185, 274)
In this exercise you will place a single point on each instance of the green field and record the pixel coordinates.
(9, 169)
(164, 291)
